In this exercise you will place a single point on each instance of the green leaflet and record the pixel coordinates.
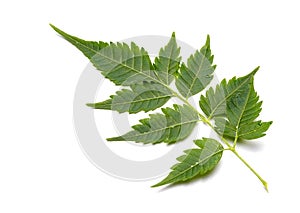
(120, 63)
(195, 161)
(141, 97)
(235, 106)
(248, 131)
(198, 73)
(88, 48)
(214, 103)
(239, 122)
(168, 61)
(171, 126)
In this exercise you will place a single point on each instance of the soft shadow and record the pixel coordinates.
(195, 180)
(253, 146)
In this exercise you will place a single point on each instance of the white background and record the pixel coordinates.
(42, 168)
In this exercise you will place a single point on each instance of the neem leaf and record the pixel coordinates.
(198, 72)
(195, 161)
(234, 105)
(141, 97)
(171, 126)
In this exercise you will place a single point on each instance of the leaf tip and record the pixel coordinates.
(157, 185)
(92, 105)
(207, 40)
(54, 27)
(59, 31)
(255, 70)
(269, 124)
(115, 139)
(173, 35)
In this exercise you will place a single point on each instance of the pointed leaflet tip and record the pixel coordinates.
(158, 184)
(251, 74)
(207, 43)
(92, 105)
(115, 139)
(51, 25)
(255, 70)
(173, 35)
(153, 186)
(62, 33)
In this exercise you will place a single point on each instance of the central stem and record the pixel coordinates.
(256, 174)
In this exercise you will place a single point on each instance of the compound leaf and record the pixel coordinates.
(171, 126)
(198, 73)
(195, 162)
(234, 105)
